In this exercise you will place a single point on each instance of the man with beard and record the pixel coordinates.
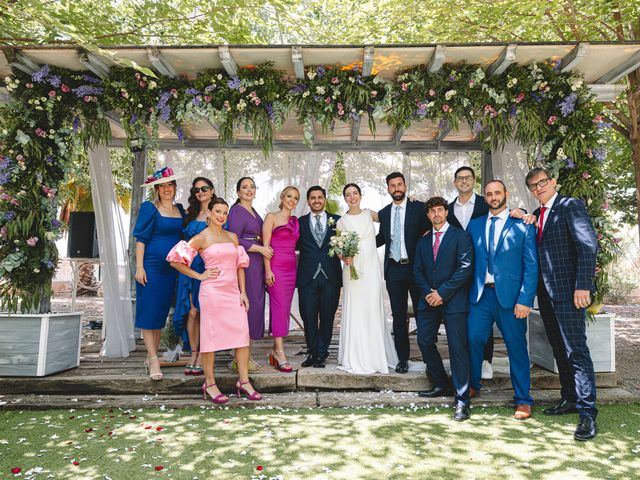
(502, 290)
(402, 223)
(319, 277)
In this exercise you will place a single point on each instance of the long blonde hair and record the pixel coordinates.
(284, 193)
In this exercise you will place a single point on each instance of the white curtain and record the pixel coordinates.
(510, 165)
(118, 315)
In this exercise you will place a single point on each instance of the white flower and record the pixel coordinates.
(241, 105)
(320, 90)
(261, 81)
(449, 94)
(305, 94)
(311, 75)
(36, 270)
(560, 155)
(331, 221)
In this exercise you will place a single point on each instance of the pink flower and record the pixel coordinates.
(616, 240)
(405, 87)
(472, 83)
(242, 89)
(327, 100)
(137, 75)
(253, 94)
(552, 119)
(29, 85)
(32, 241)
(87, 98)
(586, 175)
(174, 92)
(334, 80)
(65, 88)
(3, 232)
(142, 84)
(446, 108)
(374, 93)
(40, 132)
(52, 93)
(432, 93)
(520, 97)
(207, 98)
(257, 101)
(599, 236)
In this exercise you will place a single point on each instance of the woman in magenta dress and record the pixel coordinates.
(223, 299)
(281, 231)
(245, 222)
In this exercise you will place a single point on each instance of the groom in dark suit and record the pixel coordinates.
(443, 268)
(319, 277)
(402, 223)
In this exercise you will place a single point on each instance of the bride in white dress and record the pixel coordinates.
(366, 345)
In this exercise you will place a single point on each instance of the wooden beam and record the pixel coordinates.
(607, 92)
(487, 168)
(160, 63)
(628, 66)
(574, 57)
(437, 59)
(506, 58)
(94, 64)
(367, 69)
(20, 61)
(298, 61)
(227, 60)
(299, 146)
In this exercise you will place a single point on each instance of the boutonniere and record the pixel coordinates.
(331, 222)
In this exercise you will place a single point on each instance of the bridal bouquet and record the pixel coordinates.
(345, 244)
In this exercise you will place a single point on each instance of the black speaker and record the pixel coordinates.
(83, 237)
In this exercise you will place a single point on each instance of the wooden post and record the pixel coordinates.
(137, 197)
(487, 168)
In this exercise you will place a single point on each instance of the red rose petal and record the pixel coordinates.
(148, 427)
(88, 430)
(76, 463)
(16, 470)
(132, 417)
(259, 468)
(159, 429)
(158, 468)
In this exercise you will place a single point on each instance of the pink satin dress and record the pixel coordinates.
(283, 266)
(223, 319)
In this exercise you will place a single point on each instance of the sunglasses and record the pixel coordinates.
(204, 189)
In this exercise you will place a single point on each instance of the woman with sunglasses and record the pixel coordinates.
(246, 223)
(186, 316)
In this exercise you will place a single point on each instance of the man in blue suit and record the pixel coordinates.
(568, 248)
(502, 291)
(402, 223)
(442, 268)
(319, 277)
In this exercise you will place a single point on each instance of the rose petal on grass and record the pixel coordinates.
(149, 427)
(76, 463)
(158, 468)
(159, 429)
(259, 468)
(16, 470)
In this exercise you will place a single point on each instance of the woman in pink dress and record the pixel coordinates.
(223, 298)
(281, 231)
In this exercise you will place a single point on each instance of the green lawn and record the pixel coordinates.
(372, 443)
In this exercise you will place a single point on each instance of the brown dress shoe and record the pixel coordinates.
(473, 393)
(522, 412)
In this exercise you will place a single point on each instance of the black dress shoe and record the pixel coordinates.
(586, 429)
(462, 413)
(319, 363)
(310, 360)
(402, 367)
(562, 408)
(436, 392)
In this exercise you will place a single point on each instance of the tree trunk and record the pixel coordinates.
(633, 99)
(635, 155)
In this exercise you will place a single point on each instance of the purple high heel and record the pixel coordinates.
(253, 396)
(218, 399)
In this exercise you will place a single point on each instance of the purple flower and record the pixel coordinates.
(477, 127)
(210, 88)
(536, 97)
(570, 163)
(41, 74)
(55, 81)
(192, 91)
(321, 71)
(49, 158)
(599, 153)
(568, 105)
(513, 111)
(269, 108)
(197, 100)
(298, 89)
(55, 223)
(90, 79)
(133, 119)
(234, 83)
(332, 125)
(163, 106)
(180, 133)
(556, 65)
(87, 90)
(10, 215)
(354, 116)
(5, 177)
(442, 123)
(318, 98)
(76, 124)
(452, 78)
(50, 264)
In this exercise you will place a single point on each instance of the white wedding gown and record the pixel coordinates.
(366, 345)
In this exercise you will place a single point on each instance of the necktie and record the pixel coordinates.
(436, 245)
(318, 230)
(492, 233)
(542, 212)
(395, 236)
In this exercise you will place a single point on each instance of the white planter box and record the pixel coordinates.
(600, 339)
(37, 345)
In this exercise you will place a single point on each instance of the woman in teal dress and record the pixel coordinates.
(186, 315)
(158, 228)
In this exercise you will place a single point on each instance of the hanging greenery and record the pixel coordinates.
(55, 112)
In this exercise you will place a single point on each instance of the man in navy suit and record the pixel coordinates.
(502, 290)
(319, 277)
(402, 223)
(442, 269)
(567, 248)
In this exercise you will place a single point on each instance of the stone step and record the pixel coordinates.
(291, 400)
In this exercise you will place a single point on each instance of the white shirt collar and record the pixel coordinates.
(502, 215)
(549, 204)
(472, 200)
(443, 229)
(403, 205)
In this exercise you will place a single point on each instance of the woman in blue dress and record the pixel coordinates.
(158, 228)
(186, 316)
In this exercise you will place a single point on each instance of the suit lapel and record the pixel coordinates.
(550, 214)
(484, 233)
(443, 243)
(508, 224)
(328, 227)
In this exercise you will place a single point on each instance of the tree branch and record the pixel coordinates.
(554, 24)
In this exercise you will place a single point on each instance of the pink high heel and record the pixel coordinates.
(218, 399)
(239, 388)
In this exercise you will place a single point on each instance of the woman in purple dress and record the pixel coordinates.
(245, 222)
(281, 231)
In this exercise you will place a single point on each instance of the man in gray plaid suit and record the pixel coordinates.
(567, 250)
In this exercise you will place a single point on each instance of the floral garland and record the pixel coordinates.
(55, 112)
